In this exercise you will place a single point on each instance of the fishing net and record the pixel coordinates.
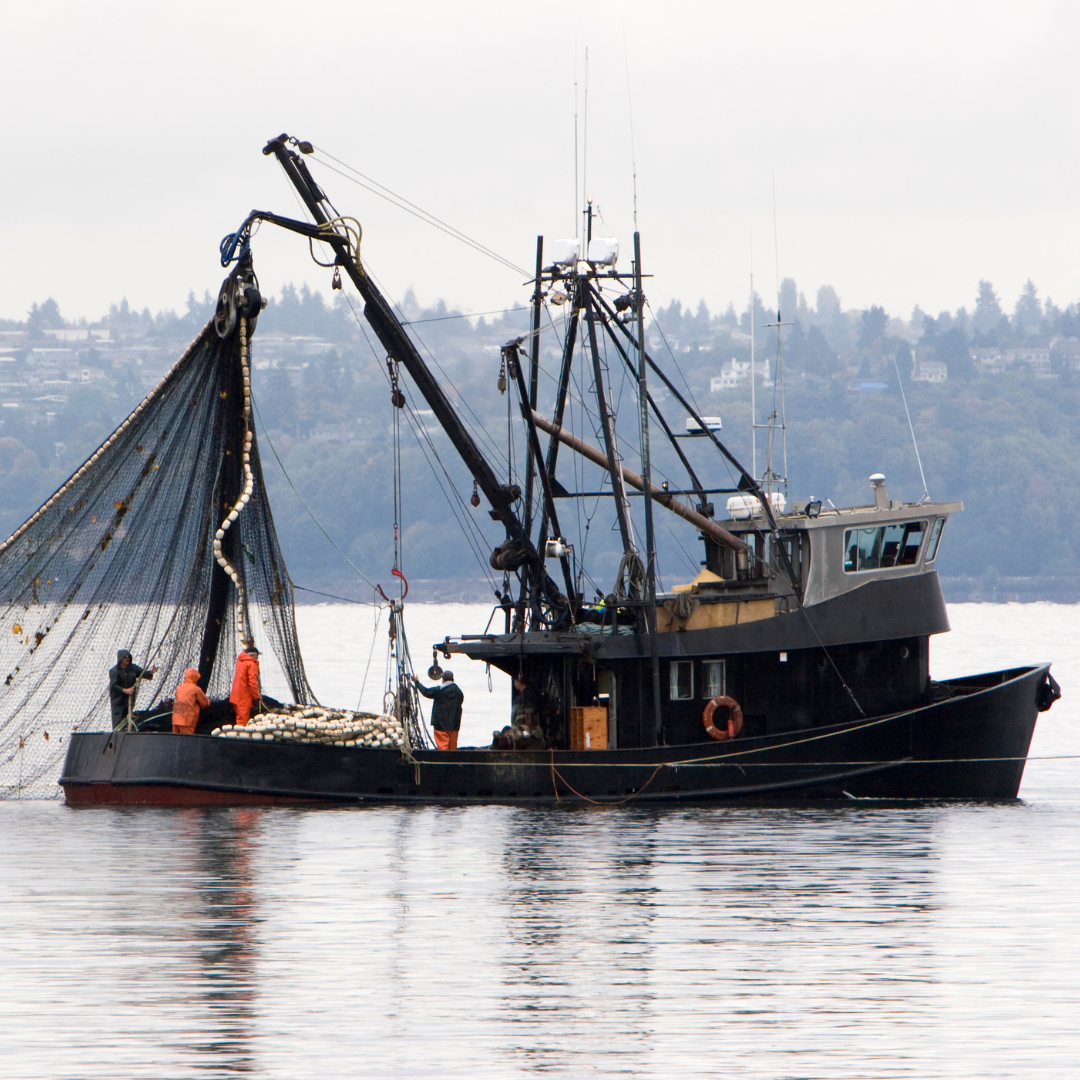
(161, 543)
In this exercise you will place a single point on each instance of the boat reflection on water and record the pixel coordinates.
(219, 917)
(498, 942)
(745, 929)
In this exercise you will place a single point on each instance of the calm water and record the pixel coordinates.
(493, 942)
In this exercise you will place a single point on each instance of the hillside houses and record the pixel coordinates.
(38, 370)
(992, 361)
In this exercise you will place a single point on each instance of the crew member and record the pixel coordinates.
(445, 710)
(245, 684)
(188, 704)
(122, 680)
(526, 708)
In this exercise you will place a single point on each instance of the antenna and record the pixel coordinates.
(780, 413)
(779, 343)
(911, 428)
(630, 110)
(585, 139)
(753, 371)
(577, 220)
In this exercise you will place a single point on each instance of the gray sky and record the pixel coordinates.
(916, 147)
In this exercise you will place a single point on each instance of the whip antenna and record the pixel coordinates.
(630, 110)
(911, 428)
(577, 223)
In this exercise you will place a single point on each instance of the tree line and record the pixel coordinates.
(994, 442)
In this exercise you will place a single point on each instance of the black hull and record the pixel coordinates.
(972, 746)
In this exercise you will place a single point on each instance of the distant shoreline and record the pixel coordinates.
(992, 589)
(987, 588)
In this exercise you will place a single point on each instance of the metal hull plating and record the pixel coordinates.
(972, 746)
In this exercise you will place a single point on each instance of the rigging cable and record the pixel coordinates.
(416, 424)
(371, 654)
(464, 315)
(310, 514)
(480, 432)
(333, 596)
(402, 203)
(911, 428)
(465, 519)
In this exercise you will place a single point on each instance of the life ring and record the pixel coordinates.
(735, 718)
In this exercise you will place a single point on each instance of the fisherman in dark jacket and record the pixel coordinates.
(122, 681)
(445, 710)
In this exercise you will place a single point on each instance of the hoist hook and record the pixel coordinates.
(397, 573)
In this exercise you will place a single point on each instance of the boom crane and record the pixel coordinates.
(517, 551)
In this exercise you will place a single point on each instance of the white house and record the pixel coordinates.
(731, 374)
(932, 371)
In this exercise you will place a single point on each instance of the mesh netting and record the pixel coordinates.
(124, 556)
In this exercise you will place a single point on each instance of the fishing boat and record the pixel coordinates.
(793, 665)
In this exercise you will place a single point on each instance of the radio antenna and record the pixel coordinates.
(577, 219)
(585, 142)
(779, 342)
(911, 428)
(753, 371)
(630, 110)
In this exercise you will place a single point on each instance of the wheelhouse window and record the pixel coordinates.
(882, 547)
(714, 674)
(681, 679)
(935, 537)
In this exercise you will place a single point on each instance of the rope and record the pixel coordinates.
(417, 427)
(318, 523)
(711, 763)
(465, 315)
(332, 596)
(411, 208)
(477, 426)
(371, 653)
(596, 802)
(464, 519)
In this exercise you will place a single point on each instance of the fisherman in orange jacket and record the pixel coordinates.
(188, 703)
(245, 684)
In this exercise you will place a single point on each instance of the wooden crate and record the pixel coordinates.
(588, 727)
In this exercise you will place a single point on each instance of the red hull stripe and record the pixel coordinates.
(168, 795)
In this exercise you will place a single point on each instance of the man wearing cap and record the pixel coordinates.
(245, 684)
(445, 710)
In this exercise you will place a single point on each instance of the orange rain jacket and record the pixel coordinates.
(188, 702)
(245, 687)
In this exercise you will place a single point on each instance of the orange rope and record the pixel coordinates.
(595, 802)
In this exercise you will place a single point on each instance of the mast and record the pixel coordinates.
(229, 485)
(534, 376)
(622, 504)
(646, 474)
(753, 381)
(561, 396)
